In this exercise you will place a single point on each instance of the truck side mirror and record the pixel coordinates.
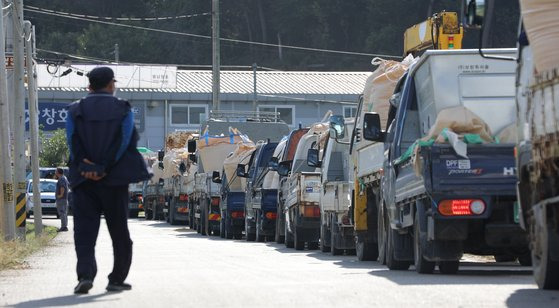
(273, 164)
(241, 171)
(216, 178)
(312, 158)
(474, 13)
(160, 155)
(192, 158)
(182, 168)
(371, 127)
(191, 146)
(337, 127)
(284, 167)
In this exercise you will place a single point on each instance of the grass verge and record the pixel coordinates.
(13, 253)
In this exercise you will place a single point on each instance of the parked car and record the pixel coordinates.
(48, 197)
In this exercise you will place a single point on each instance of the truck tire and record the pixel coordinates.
(391, 262)
(382, 236)
(133, 213)
(323, 236)
(335, 251)
(222, 226)
(312, 245)
(259, 236)
(298, 244)
(449, 267)
(250, 237)
(546, 270)
(422, 266)
(280, 239)
(148, 214)
(365, 250)
(172, 220)
(203, 222)
(288, 237)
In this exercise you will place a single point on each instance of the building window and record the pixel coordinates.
(350, 111)
(182, 115)
(286, 113)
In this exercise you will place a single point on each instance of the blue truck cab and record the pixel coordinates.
(260, 199)
(436, 204)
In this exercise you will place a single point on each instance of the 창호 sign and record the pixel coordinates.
(52, 116)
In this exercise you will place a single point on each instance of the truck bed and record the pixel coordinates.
(488, 170)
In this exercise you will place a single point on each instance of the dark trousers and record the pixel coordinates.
(90, 201)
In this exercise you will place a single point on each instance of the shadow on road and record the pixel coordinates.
(469, 273)
(533, 298)
(68, 300)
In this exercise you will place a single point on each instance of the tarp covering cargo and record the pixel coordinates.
(542, 27)
(271, 180)
(379, 87)
(214, 149)
(241, 155)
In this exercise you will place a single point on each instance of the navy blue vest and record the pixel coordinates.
(95, 132)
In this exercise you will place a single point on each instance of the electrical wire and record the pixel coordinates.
(107, 61)
(122, 18)
(65, 15)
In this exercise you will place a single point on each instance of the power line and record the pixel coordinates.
(108, 61)
(122, 18)
(65, 15)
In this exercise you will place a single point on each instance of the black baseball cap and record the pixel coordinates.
(100, 77)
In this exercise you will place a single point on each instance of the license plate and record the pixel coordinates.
(165, 210)
(48, 205)
(309, 189)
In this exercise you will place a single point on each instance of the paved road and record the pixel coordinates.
(175, 267)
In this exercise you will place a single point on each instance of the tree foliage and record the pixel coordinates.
(368, 26)
(54, 149)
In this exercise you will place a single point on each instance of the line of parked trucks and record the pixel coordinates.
(451, 152)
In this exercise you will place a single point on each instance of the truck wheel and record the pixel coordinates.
(422, 266)
(171, 215)
(299, 245)
(229, 231)
(133, 214)
(525, 259)
(365, 250)
(335, 251)
(251, 237)
(449, 267)
(544, 240)
(382, 235)
(313, 245)
(203, 223)
(278, 237)
(259, 237)
(323, 236)
(288, 237)
(391, 262)
(149, 214)
(222, 226)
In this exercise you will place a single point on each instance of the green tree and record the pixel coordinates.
(54, 150)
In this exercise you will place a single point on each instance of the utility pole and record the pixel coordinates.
(20, 160)
(255, 98)
(116, 53)
(33, 104)
(215, 55)
(7, 214)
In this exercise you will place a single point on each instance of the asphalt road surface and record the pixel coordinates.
(176, 267)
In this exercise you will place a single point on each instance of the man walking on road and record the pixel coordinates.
(103, 161)
(62, 199)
